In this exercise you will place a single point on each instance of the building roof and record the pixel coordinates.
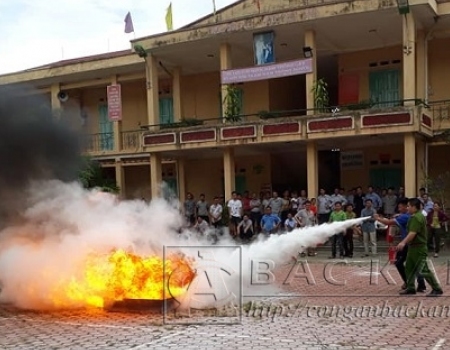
(90, 58)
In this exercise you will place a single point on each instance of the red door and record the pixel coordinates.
(348, 89)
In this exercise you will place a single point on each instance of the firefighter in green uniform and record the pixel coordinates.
(416, 259)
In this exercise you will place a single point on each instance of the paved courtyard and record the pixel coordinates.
(357, 315)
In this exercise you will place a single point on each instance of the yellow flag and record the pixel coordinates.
(169, 22)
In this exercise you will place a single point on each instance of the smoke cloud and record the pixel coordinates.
(33, 146)
(49, 224)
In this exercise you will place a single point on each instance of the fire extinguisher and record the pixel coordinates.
(392, 252)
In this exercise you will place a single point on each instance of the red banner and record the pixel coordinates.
(114, 97)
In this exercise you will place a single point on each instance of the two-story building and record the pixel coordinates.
(235, 100)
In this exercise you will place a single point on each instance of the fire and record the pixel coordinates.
(123, 275)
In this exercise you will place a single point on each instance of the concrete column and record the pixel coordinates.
(421, 61)
(55, 102)
(176, 94)
(228, 172)
(225, 63)
(409, 59)
(117, 125)
(155, 174)
(151, 70)
(310, 41)
(421, 166)
(120, 178)
(312, 169)
(410, 169)
(181, 175)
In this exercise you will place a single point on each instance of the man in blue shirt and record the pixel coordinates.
(270, 222)
(374, 197)
(402, 221)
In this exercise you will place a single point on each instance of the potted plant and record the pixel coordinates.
(321, 97)
(232, 102)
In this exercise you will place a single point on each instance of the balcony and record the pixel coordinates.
(267, 127)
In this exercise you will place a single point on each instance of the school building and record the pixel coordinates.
(269, 94)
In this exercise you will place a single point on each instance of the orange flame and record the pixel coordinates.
(122, 275)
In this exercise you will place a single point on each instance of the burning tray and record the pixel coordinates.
(142, 305)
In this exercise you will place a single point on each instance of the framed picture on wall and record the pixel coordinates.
(263, 47)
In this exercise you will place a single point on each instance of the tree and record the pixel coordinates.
(92, 176)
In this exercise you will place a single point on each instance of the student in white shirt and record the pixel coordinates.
(235, 210)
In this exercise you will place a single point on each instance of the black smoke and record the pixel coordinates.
(34, 145)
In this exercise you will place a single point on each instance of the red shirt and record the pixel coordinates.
(246, 203)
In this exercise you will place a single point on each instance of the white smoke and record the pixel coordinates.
(64, 223)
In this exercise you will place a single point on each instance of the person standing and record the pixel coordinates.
(324, 204)
(337, 215)
(276, 203)
(416, 259)
(348, 237)
(389, 203)
(202, 208)
(400, 258)
(235, 210)
(435, 221)
(368, 228)
(255, 212)
(374, 197)
(215, 213)
(358, 201)
(189, 209)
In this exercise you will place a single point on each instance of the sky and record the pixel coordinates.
(37, 32)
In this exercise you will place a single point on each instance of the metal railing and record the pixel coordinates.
(101, 142)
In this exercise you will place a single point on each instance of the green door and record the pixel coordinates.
(166, 110)
(384, 88)
(240, 184)
(386, 177)
(106, 137)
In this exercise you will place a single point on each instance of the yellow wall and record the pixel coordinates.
(200, 96)
(134, 105)
(438, 73)
(358, 62)
(361, 177)
(206, 175)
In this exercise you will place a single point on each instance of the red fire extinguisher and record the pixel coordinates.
(392, 252)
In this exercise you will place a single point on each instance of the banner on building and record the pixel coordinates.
(267, 71)
(114, 97)
(352, 160)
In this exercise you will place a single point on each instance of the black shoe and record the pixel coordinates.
(403, 286)
(435, 293)
(407, 292)
(421, 289)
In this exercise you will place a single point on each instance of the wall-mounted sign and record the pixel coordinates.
(352, 160)
(114, 96)
(267, 71)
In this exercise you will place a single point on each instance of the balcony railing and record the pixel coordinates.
(132, 141)
(101, 142)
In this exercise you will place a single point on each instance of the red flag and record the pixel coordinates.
(128, 23)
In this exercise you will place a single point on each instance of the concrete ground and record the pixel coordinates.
(302, 315)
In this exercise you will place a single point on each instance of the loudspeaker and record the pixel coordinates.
(63, 96)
